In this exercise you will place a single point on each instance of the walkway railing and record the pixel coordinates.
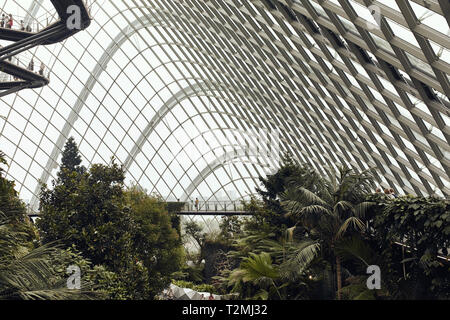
(214, 206)
(23, 60)
(29, 74)
(30, 24)
(36, 23)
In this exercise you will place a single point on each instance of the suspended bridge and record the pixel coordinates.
(213, 208)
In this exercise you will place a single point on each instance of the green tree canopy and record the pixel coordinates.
(273, 186)
(10, 204)
(87, 209)
(331, 213)
(157, 244)
(128, 232)
(90, 212)
(27, 269)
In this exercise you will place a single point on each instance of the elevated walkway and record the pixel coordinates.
(55, 32)
(214, 208)
(32, 79)
(214, 213)
(14, 35)
(24, 40)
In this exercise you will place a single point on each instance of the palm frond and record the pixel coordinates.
(315, 210)
(312, 215)
(352, 221)
(300, 259)
(261, 295)
(343, 208)
(58, 294)
(306, 252)
(258, 267)
(355, 248)
(32, 276)
(301, 195)
(3, 218)
(362, 208)
(292, 207)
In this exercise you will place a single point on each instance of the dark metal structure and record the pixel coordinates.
(24, 40)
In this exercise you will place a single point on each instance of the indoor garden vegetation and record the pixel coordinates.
(311, 236)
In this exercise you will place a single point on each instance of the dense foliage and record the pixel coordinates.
(29, 270)
(86, 211)
(310, 236)
(424, 225)
(156, 242)
(127, 232)
(313, 237)
(196, 287)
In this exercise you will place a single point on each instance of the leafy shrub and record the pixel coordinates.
(196, 287)
(423, 226)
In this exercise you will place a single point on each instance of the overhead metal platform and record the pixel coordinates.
(33, 79)
(61, 7)
(62, 31)
(24, 40)
(28, 79)
(13, 34)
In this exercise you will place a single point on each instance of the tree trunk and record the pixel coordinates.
(338, 277)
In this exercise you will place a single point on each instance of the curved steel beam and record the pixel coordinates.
(382, 151)
(214, 165)
(157, 118)
(193, 90)
(73, 116)
(115, 45)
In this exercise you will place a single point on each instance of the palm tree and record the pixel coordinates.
(29, 274)
(334, 211)
(258, 270)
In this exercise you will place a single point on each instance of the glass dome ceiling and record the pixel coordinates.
(181, 92)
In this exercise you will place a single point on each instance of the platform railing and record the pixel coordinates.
(213, 206)
(37, 23)
(23, 61)
(34, 24)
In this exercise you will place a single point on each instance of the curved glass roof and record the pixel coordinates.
(190, 95)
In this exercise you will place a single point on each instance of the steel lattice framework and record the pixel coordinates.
(171, 88)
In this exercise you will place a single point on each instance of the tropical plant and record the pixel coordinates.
(89, 209)
(70, 162)
(258, 270)
(196, 287)
(90, 212)
(230, 228)
(415, 231)
(41, 273)
(330, 213)
(195, 231)
(362, 252)
(27, 270)
(273, 186)
(30, 275)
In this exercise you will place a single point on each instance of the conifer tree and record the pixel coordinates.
(70, 162)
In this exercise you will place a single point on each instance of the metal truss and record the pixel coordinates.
(172, 89)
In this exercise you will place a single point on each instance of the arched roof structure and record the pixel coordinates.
(172, 88)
